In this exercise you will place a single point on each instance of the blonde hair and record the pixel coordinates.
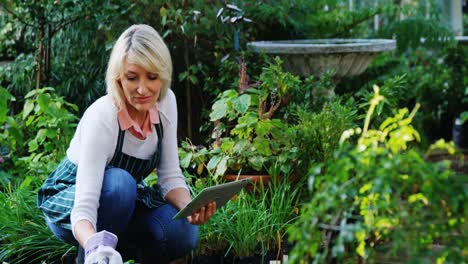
(143, 46)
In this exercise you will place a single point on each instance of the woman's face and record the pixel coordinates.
(140, 87)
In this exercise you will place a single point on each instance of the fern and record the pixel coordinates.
(418, 31)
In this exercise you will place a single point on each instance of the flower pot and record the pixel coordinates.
(258, 180)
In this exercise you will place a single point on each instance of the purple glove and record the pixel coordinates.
(103, 238)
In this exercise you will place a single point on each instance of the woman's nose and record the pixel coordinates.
(142, 88)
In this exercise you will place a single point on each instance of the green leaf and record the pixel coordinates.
(218, 110)
(50, 133)
(183, 75)
(193, 79)
(222, 166)
(28, 107)
(41, 135)
(464, 116)
(185, 162)
(242, 103)
(30, 120)
(16, 134)
(227, 145)
(31, 93)
(4, 97)
(33, 146)
(72, 106)
(213, 162)
(263, 127)
(263, 146)
(166, 33)
(256, 162)
(240, 146)
(229, 94)
(43, 101)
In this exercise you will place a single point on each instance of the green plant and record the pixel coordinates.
(18, 77)
(378, 196)
(410, 32)
(457, 94)
(318, 133)
(464, 114)
(24, 236)
(434, 78)
(60, 44)
(247, 135)
(36, 138)
(7, 49)
(251, 222)
(47, 18)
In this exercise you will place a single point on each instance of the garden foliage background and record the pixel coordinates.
(350, 157)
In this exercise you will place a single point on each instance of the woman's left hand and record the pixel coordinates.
(203, 215)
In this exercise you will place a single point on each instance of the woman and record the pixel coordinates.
(96, 194)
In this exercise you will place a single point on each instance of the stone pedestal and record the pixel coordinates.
(346, 57)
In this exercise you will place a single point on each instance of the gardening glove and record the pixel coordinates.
(100, 249)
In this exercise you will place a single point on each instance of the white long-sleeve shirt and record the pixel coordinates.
(93, 147)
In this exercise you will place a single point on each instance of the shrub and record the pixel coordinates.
(37, 138)
(380, 195)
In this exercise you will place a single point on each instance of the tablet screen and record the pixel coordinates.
(220, 193)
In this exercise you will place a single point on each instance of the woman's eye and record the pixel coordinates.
(153, 77)
(131, 78)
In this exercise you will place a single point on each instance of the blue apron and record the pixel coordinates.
(57, 194)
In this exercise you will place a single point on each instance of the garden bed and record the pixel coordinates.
(458, 161)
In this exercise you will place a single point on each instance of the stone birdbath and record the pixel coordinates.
(346, 57)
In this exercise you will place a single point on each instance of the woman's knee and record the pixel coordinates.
(117, 201)
(187, 238)
(61, 233)
(182, 237)
(119, 186)
(175, 237)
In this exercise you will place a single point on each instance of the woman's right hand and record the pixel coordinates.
(204, 214)
(100, 249)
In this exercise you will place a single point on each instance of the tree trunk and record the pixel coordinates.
(188, 92)
(47, 50)
(40, 57)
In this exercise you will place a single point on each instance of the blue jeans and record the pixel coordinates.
(151, 230)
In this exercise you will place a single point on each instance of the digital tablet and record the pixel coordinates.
(220, 194)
